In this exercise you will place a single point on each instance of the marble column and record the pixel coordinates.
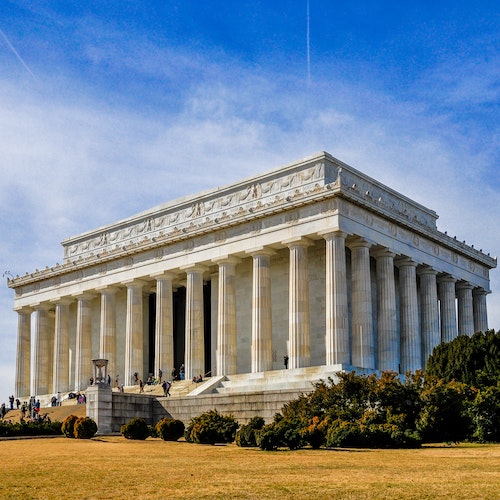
(465, 311)
(134, 332)
(60, 379)
(431, 333)
(480, 310)
(214, 319)
(23, 359)
(195, 331)
(447, 303)
(363, 338)
(226, 351)
(262, 359)
(387, 323)
(83, 356)
(164, 327)
(43, 351)
(298, 305)
(411, 344)
(338, 348)
(107, 340)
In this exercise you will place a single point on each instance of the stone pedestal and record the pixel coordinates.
(100, 407)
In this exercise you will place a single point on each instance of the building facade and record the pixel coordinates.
(315, 261)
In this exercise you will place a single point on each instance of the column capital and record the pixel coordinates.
(261, 250)
(194, 268)
(169, 275)
(464, 285)
(24, 309)
(404, 261)
(134, 283)
(329, 234)
(480, 291)
(358, 242)
(379, 251)
(424, 270)
(84, 295)
(226, 259)
(298, 242)
(42, 306)
(446, 278)
(64, 301)
(107, 289)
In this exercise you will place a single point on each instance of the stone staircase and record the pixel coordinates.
(296, 380)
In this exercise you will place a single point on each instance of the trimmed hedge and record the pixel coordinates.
(137, 429)
(210, 428)
(36, 428)
(85, 428)
(170, 429)
(68, 426)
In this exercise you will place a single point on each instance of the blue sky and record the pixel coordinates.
(108, 108)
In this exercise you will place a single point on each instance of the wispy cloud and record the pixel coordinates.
(12, 48)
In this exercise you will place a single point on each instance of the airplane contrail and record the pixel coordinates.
(16, 54)
(308, 43)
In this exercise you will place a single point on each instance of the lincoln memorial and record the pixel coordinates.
(314, 260)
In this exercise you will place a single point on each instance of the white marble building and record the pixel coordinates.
(314, 260)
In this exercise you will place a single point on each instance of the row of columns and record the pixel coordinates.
(350, 339)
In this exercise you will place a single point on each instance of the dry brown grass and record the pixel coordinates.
(113, 467)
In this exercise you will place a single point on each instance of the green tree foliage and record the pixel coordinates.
(485, 414)
(211, 427)
(170, 429)
(444, 413)
(474, 360)
(85, 428)
(137, 429)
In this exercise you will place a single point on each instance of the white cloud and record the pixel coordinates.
(71, 163)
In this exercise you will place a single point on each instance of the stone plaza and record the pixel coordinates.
(314, 261)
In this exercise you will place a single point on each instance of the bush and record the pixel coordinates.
(137, 429)
(444, 416)
(342, 433)
(315, 433)
(68, 426)
(269, 437)
(246, 435)
(85, 428)
(36, 428)
(210, 428)
(169, 429)
(485, 415)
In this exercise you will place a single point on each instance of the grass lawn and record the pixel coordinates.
(113, 467)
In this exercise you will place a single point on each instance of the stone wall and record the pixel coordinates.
(242, 406)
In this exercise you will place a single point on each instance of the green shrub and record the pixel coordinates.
(246, 435)
(485, 414)
(315, 433)
(269, 437)
(169, 429)
(85, 428)
(35, 428)
(68, 426)
(342, 433)
(444, 416)
(210, 428)
(137, 429)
